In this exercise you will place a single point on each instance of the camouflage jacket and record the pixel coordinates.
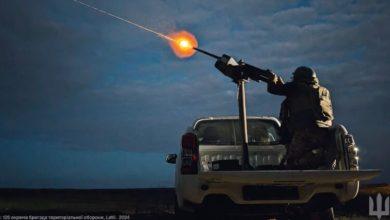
(307, 104)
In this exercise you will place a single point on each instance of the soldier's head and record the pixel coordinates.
(305, 74)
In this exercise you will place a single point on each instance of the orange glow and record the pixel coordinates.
(183, 44)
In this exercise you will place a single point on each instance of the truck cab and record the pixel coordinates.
(209, 168)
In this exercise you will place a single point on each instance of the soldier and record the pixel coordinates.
(306, 114)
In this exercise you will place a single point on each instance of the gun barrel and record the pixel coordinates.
(207, 53)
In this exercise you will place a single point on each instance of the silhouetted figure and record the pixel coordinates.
(306, 114)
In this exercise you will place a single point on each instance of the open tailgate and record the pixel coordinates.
(287, 176)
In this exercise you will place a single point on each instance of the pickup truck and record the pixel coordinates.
(209, 176)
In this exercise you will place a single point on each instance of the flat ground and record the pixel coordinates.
(124, 204)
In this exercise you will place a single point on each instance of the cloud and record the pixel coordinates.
(295, 16)
(76, 79)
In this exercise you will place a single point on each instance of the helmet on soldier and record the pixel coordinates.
(305, 74)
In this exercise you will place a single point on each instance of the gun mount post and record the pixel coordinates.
(244, 125)
(241, 100)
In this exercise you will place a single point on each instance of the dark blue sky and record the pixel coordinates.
(89, 101)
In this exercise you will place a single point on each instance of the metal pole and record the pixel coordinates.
(243, 123)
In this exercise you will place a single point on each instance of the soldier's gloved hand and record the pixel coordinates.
(275, 79)
(230, 68)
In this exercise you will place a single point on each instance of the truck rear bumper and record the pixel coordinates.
(196, 192)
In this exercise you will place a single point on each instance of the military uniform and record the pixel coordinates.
(306, 115)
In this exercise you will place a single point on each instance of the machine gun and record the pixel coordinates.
(238, 70)
(240, 73)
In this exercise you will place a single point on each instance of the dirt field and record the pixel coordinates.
(125, 204)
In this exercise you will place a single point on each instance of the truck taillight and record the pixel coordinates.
(189, 154)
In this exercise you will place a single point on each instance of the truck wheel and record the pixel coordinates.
(181, 214)
(326, 214)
